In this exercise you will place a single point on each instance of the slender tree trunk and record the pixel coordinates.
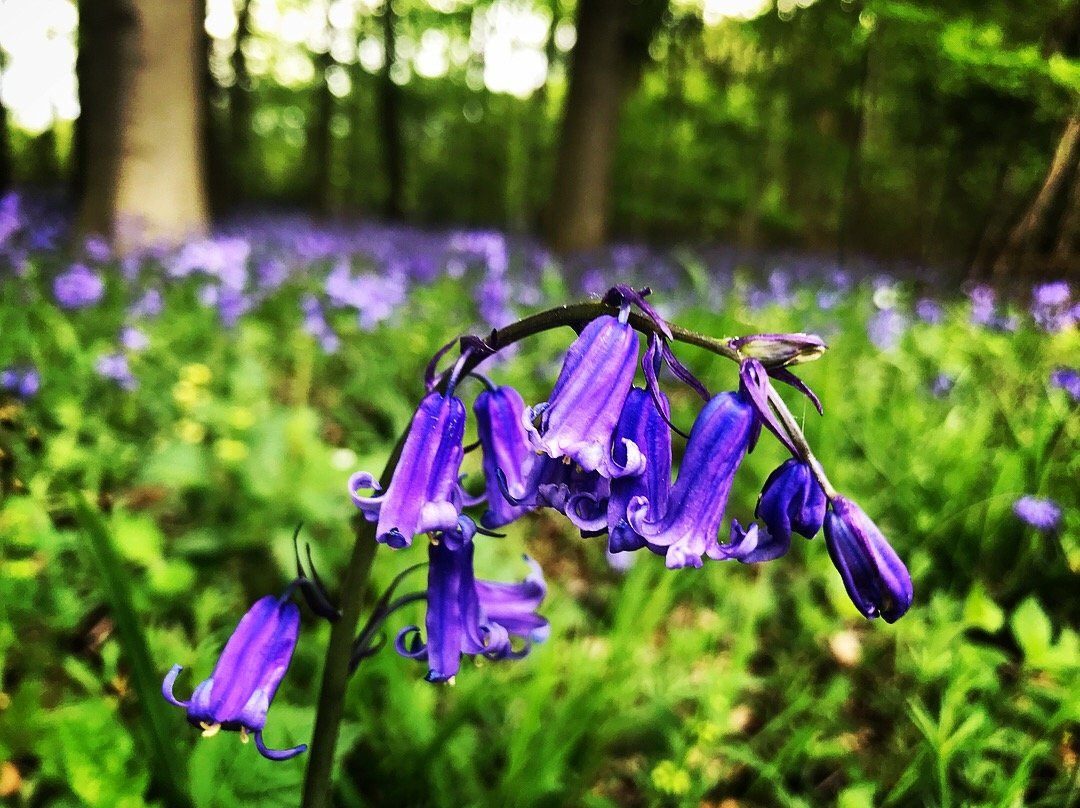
(1069, 230)
(1022, 239)
(222, 185)
(849, 205)
(5, 140)
(319, 134)
(389, 101)
(240, 103)
(143, 175)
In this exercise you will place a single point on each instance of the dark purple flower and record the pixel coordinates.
(238, 693)
(424, 494)
(1068, 379)
(791, 501)
(875, 578)
(467, 616)
(579, 417)
(644, 427)
(78, 287)
(688, 526)
(10, 217)
(566, 487)
(115, 368)
(501, 429)
(1041, 514)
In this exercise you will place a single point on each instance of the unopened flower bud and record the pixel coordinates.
(780, 350)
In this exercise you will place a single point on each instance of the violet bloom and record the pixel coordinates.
(25, 383)
(1041, 514)
(578, 419)
(886, 328)
(791, 501)
(1051, 306)
(982, 305)
(115, 368)
(424, 494)
(78, 287)
(875, 578)
(1068, 379)
(688, 526)
(930, 311)
(942, 385)
(149, 305)
(644, 426)
(467, 616)
(505, 443)
(580, 495)
(238, 693)
(134, 339)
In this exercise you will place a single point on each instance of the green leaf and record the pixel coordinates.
(1033, 631)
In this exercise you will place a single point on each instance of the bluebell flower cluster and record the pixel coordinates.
(24, 381)
(599, 451)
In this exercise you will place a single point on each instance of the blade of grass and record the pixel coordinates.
(167, 767)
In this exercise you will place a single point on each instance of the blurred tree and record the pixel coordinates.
(393, 153)
(5, 136)
(139, 153)
(320, 141)
(612, 46)
(241, 102)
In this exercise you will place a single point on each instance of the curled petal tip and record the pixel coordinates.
(277, 754)
(167, 687)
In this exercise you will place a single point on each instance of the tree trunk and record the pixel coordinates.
(852, 193)
(5, 140)
(319, 134)
(1023, 238)
(389, 101)
(612, 45)
(240, 103)
(141, 142)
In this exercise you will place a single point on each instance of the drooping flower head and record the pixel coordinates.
(1041, 514)
(238, 693)
(425, 492)
(500, 426)
(642, 425)
(579, 417)
(720, 438)
(467, 616)
(876, 579)
(791, 501)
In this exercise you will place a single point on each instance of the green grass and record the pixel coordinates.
(730, 685)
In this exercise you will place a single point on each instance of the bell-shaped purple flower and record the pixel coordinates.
(248, 672)
(425, 492)
(689, 525)
(467, 616)
(579, 417)
(875, 578)
(790, 501)
(566, 487)
(505, 444)
(642, 425)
